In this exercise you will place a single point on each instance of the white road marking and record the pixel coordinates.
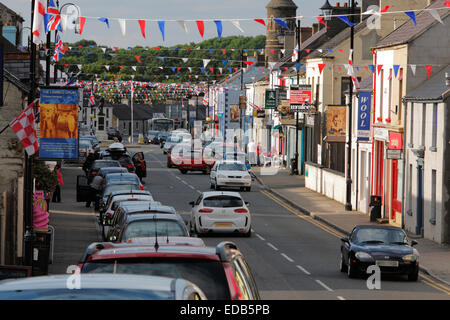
(303, 269)
(287, 258)
(260, 237)
(324, 285)
(272, 246)
(340, 298)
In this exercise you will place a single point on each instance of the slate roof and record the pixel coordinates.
(140, 111)
(407, 32)
(433, 89)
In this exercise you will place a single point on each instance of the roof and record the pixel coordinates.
(140, 111)
(168, 241)
(154, 217)
(224, 193)
(433, 89)
(407, 32)
(130, 192)
(15, 81)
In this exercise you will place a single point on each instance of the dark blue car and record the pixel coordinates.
(385, 246)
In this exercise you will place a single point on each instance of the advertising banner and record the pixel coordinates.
(234, 113)
(300, 98)
(59, 123)
(336, 123)
(364, 107)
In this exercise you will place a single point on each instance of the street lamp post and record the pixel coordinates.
(295, 169)
(348, 203)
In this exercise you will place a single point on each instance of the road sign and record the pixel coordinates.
(271, 99)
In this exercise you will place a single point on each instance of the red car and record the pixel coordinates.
(193, 161)
(178, 152)
(221, 272)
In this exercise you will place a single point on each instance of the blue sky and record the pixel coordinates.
(165, 10)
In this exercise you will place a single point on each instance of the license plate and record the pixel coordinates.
(384, 263)
(223, 224)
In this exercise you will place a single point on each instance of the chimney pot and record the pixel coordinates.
(345, 4)
(338, 4)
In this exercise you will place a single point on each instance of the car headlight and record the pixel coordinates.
(363, 256)
(222, 176)
(411, 258)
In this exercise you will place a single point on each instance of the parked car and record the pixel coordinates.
(100, 287)
(387, 247)
(98, 164)
(224, 212)
(107, 212)
(118, 178)
(221, 272)
(107, 170)
(113, 133)
(117, 187)
(94, 141)
(150, 135)
(122, 192)
(230, 174)
(142, 224)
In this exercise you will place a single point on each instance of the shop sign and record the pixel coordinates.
(364, 106)
(336, 123)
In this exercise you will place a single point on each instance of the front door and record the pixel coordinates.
(419, 224)
(396, 205)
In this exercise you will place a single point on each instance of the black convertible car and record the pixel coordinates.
(385, 246)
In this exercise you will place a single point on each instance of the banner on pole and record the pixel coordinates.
(59, 123)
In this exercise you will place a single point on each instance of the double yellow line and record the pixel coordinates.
(303, 216)
(424, 278)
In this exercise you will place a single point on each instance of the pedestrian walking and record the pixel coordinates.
(141, 169)
(251, 149)
(259, 154)
(96, 186)
(57, 192)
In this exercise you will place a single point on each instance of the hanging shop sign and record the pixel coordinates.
(271, 99)
(336, 123)
(364, 107)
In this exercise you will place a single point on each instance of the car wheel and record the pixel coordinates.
(211, 186)
(351, 272)
(248, 234)
(248, 189)
(183, 171)
(208, 170)
(216, 187)
(342, 265)
(414, 275)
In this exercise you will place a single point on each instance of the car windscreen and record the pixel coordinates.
(119, 187)
(208, 275)
(222, 202)
(105, 164)
(113, 179)
(379, 235)
(86, 294)
(232, 167)
(150, 228)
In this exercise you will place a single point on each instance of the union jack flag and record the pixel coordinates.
(91, 100)
(52, 19)
(59, 49)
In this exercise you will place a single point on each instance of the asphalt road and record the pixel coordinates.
(292, 257)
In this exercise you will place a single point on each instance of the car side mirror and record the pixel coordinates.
(413, 242)
(192, 203)
(345, 239)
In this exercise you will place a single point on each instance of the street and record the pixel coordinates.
(292, 257)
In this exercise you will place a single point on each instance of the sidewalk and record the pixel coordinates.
(434, 258)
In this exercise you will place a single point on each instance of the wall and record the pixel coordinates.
(326, 182)
(11, 168)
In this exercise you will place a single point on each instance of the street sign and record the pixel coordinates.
(271, 99)
(394, 154)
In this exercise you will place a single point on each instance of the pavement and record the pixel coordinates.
(434, 257)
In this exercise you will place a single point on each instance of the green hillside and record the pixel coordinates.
(94, 58)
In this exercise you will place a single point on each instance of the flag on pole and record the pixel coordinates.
(23, 126)
(38, 21)
(91, 100)
(52, 19)
(351, 72)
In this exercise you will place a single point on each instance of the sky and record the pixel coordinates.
(164, 10)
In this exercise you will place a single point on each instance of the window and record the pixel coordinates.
(398, 109)
(107, 112)
(424, 119)
(223, 202)
(411, 125)
(390, 94)
(433, 197)
(435, 124)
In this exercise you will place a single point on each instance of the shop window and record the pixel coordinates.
(435, 124)
(433, 197)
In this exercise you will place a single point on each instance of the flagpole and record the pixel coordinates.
(28, 172)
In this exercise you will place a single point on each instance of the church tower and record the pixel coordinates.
(278, 37)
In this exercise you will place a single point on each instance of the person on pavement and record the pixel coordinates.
(140, 167)
(89, 161)
(96, 187)
(57, 193)
(251, 148)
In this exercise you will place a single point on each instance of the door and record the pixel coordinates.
(83, 189)
(396, 205)
(363, 183)
(419, 224)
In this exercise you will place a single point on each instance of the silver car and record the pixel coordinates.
(99, 287)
